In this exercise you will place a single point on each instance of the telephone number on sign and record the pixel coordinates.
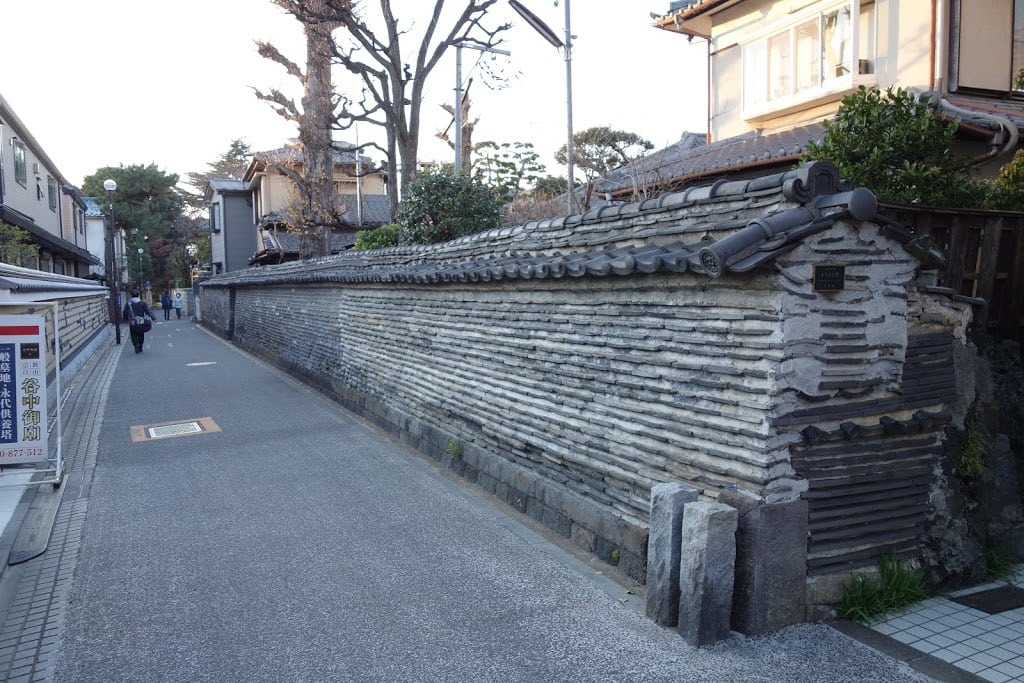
(21, 453)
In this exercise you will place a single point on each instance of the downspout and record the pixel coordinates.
(998, 146)
(1, 166)
(932, 51)
(940, 45)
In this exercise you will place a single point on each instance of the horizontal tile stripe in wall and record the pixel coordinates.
(444, 370)
(866, 494)
(604, 395)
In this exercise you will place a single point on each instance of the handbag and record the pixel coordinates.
(140, 322)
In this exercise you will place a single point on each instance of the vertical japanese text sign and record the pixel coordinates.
(23, 419)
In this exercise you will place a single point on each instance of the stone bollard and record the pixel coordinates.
(663, 539)
(706, 572)
(771, 564)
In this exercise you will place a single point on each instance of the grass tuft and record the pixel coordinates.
(896, 586)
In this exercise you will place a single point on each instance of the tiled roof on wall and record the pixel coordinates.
(709, 230)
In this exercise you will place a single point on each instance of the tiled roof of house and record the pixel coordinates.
(343, 154)
(226, 185)
(686, 9)
(684, 163)
(986, 107)
(376, 212)
(93, 208)
(282, 242)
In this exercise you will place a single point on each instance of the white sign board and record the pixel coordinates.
(23, 419)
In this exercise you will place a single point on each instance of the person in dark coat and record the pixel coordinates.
(165, 304)
(135, 310)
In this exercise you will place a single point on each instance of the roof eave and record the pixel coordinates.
(693, 21)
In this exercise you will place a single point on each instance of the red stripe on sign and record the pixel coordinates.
(19, 330)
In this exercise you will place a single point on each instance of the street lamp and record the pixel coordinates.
(140, 268)
(112, 274)
(547, 34)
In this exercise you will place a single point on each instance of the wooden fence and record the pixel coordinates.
(984, 253)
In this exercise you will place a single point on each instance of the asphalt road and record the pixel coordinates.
(298, 544)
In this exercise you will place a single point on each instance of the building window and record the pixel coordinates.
(20, 162)
(1018, 45)
(215, 217)
(51, 192)
(812, 55)
(988, 45)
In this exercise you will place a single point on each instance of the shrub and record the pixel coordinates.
(442, 206)
(16, 247)
(378, 238)
(1007, 189)
(900, 147)
(972, 455)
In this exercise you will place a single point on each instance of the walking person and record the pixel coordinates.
(135, 314)
(178, 303)
(165, 304)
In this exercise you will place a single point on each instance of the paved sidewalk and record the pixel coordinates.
(990, 645)
(286, 540)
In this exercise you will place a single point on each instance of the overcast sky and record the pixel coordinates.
(112, 82)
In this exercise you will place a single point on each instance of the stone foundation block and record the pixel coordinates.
(663, 541)
(771, 565)
(707, 565)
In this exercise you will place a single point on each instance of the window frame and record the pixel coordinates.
(215, 217)
(51, 193)
(760, 97)
(20, 162)
(1017, 56)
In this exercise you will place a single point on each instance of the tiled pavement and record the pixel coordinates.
(990, 646)
(36, 592)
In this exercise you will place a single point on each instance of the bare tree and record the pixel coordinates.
(466, 155)
(315, 213)
(391, 81)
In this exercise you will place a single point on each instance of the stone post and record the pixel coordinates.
(707, 565)
(771, 564)
(663, 541)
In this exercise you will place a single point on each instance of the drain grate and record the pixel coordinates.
(174, 430)
(995, 600)
(166, 430)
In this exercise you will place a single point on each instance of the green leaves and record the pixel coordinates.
(1008, 186)
(378, 238)
(896, 587)
(901, 148)
(16, 247)
(509, 168)
(442, 206)
(601, 149)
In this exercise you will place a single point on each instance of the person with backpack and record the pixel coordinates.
(138, 315)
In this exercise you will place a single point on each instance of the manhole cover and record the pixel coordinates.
(993, 601)
(166, 430)
(174, 430)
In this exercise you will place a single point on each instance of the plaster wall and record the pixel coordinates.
(571, 397)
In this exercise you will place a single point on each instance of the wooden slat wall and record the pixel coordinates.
(985, 258)
(868, 488)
